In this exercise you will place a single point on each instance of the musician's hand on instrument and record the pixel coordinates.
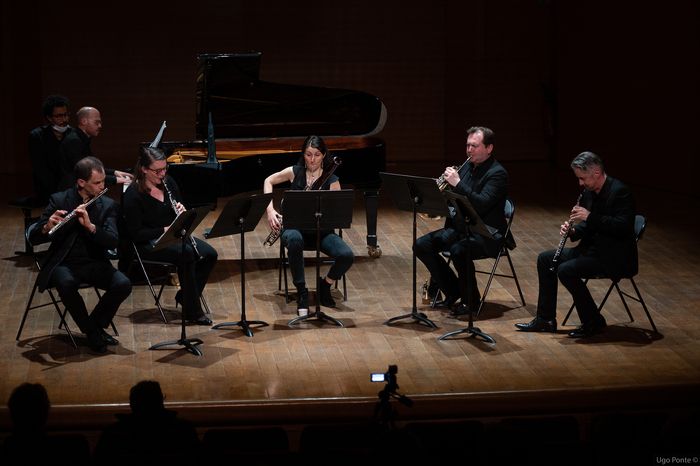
(564, 228)
(83, 217)
(273, 219)
(451, 176)
(579, 214)
(54, 220)
(123, 177)
(180, 208)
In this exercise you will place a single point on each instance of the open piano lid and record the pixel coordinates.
(243, 106)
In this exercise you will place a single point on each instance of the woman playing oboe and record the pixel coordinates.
(303, 176)
(150, 205)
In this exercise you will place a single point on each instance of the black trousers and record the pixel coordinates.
(462, 251)
(573, 268)
(68, 277)
(192, 271)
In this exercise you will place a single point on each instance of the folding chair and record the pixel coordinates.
(640, 224)
(284, 264)
(130, 257)
(507, 244)
(55, 299)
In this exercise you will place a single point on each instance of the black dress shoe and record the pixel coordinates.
(538, 324)
(202, 320)
(96, 343)
(447, 303)
(588, 330)
(460, 310)
(108, 339)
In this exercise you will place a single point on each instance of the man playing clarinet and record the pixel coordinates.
(603, 221)
(81, 225)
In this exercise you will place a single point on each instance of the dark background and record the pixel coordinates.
(552, 78)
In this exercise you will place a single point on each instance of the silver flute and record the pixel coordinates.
(173, 203)
(73, 213)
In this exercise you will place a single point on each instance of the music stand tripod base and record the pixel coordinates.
(244, 324)
(470, 329)
(318, 315)
(418, 316)
(190, 344)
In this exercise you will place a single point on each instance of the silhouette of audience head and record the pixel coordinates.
(29, 407)
(146, 398)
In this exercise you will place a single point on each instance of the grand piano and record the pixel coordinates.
(260, 126)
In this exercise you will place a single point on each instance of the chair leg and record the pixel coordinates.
(624, 301)
(26, 312)
(644, 305)
(488, 284)
(515, 277)
(62, 315)
(345, 289)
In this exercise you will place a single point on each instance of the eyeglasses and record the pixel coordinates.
(158, 171)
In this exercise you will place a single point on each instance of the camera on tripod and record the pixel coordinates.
(388, 376)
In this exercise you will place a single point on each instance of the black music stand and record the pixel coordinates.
(179, 231)
(240, 215)
(414, 194)
(467, 221)
(316, 210)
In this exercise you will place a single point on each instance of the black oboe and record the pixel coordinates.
(562, 241)
(173, 203)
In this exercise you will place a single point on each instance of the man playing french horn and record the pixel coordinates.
(484, 182)
(88, 228)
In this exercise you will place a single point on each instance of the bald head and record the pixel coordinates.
(90, 121)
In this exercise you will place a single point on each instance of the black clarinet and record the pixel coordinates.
(562, 241)
(173, 203)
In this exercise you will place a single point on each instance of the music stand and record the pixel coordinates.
(240, 215)
(414, 194)
(316, 210)
(180, 230)
(467, 221)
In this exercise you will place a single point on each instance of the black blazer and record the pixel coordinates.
(486, 187)
(608, 233)
(103, 214)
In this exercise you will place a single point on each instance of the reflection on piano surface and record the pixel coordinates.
(260, 127)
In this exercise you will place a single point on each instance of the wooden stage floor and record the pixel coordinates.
(320, 371)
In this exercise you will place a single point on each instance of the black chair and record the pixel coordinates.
(507, 245)
(53, 295)
(26, 205)
(640, 224)
(284, 264)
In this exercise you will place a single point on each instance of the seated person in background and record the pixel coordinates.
(304, 175)
(44, 147)
(78, 252)
(149, 434)
(76, 145)
(604, 222)
(150, 205)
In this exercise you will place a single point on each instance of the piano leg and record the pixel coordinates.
(371, 203)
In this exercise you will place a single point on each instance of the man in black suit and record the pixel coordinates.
(603, 221)
(78, 251)
(484, 182)
(76, 145)
(44, 146)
